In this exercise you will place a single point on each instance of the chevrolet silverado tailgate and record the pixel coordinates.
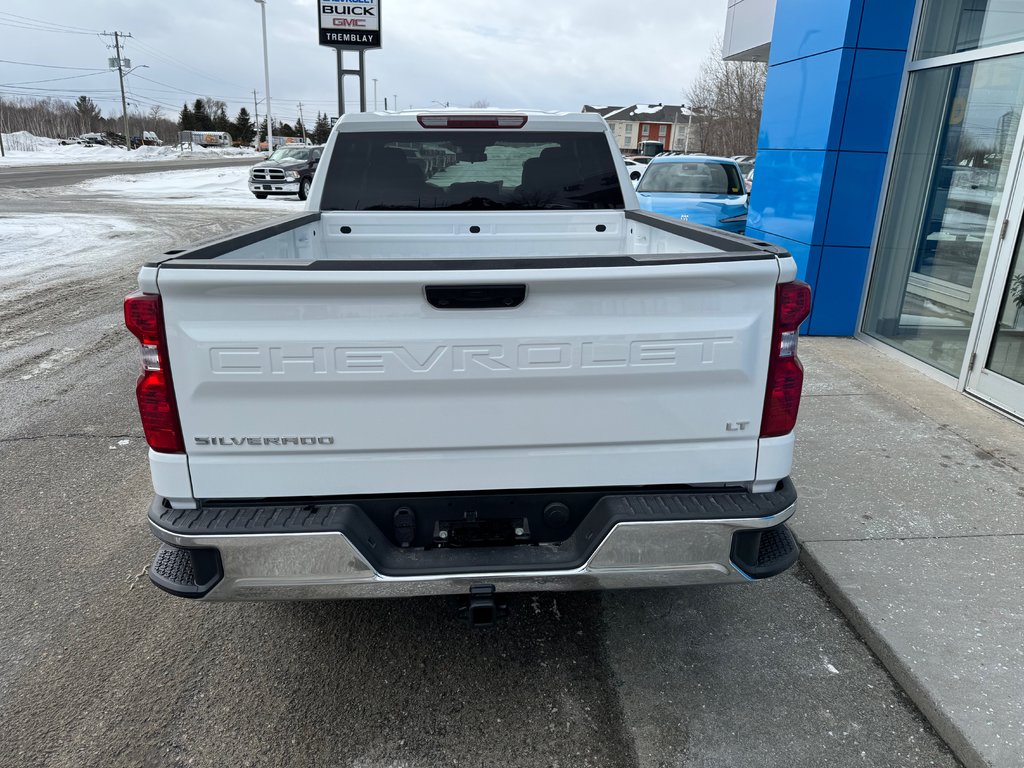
(356, 379)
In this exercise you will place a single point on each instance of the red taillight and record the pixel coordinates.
(472, 121)
(785, 374)
(143, 316)
(792, 304)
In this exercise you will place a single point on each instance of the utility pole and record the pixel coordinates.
(266, 76)
(120, 76)
(2, 153)
(256, 117)
(121, 64)
(302, 123)
(375, 94)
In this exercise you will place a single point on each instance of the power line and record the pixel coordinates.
(178, 62)
(181, 90)
(54, 79)
(51, 66)
(53, 24)
(16, 25)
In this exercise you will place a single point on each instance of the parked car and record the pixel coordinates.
(87, 140)
(288, 171)
(748, 181)
(699, 189)
(498, 377)
(635, 170)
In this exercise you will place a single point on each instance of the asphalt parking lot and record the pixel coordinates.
(98, 668)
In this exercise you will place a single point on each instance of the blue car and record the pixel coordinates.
(696, 188)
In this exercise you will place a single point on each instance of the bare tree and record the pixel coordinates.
(57, 118)
(727, 97)
(480, 104)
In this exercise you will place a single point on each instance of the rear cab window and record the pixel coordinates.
(472, 170)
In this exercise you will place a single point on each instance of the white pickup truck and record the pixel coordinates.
(473, 366)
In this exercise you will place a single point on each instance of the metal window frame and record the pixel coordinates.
(958, 382)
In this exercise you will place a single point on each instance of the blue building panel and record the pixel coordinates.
(807, 257)
(789, 190)
(885, 24)
(834, 78)
(855, 194)
(837, 291)
(812, 27)
(805, 102)
(871, 107)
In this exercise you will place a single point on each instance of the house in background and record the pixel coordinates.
(651, 122)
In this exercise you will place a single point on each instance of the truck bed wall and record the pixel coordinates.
(409, 235)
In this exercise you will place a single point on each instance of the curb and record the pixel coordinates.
(932, 710)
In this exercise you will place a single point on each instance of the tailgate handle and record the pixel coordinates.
(475, 296)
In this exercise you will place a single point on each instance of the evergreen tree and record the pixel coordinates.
(201, 117)
(300, 129)
(243, 129)
(263, 131)
(88, 113)
(283, 129)
(321, 129)
(221, 121)
(187, 119)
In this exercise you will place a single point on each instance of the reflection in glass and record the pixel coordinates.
(952, 26)
(1006, 356)
(948, 180)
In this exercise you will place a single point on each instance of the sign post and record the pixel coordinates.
(350, 25)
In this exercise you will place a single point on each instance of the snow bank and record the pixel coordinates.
(22, 148)
(206, 187)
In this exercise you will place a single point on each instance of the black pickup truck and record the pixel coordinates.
(288, 171)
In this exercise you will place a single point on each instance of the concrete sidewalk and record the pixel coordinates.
(911, 518)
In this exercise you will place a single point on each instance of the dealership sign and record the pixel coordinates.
(350, 23)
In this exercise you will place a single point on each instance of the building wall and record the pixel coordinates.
(834, 76)
(625, 133)
(748, 29)
(656, 132)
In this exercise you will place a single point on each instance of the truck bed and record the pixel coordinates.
(308, 360)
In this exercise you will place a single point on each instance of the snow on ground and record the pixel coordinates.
(58, 241)
(206, 187)
(23, 148)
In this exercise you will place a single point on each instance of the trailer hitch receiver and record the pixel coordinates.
(482, 608)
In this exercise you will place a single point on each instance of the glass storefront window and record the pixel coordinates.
(952, 26)
(1006, 355)
(949, 176)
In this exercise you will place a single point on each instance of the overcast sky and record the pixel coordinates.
(555, 55)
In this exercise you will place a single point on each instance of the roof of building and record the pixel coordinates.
(646, 113)
(600, 109)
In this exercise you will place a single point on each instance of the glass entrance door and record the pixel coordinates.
(950, 174)
(998, 371)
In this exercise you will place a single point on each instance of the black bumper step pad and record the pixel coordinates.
(761, 554)
(186, 572)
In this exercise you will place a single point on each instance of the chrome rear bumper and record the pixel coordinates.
(326, 565)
